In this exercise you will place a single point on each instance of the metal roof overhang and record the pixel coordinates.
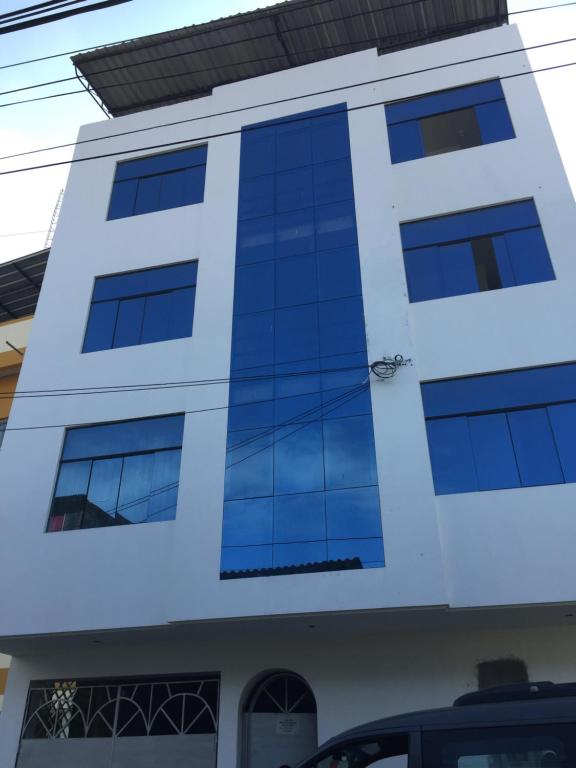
(20, 283)
(187, 63)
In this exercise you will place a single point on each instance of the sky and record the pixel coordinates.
(27, 200)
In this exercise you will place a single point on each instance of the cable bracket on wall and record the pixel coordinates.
(387, 367)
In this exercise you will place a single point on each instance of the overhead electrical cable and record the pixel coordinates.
(236, 131)
(234, 64)
(203, 31)
(35, 10)
(52, 17)
(208, 410)
(270, 103)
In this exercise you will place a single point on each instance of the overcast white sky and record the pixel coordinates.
(27, 199)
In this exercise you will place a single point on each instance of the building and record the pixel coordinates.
(329, 541)
(20, 282)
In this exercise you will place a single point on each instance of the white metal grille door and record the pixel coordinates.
(280, 723)
(121, 724)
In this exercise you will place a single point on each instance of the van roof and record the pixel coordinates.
(529, 703)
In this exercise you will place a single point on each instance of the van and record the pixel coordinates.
(532, 725)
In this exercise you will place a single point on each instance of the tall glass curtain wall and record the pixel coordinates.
(301, 482)
(502, 430)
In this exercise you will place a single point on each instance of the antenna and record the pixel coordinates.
(54, 220)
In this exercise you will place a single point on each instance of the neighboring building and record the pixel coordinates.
(320, 551)
(20, 282)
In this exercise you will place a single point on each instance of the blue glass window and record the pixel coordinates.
(141, 307)
(118, 473)
(481, 250)
(158, 182)
(502, 430)
(301, 484)
(447, 121)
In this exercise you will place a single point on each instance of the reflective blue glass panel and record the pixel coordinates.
(294, 190)
(158, 182)
(451, 456)
(349, 455)
(299, 517)
(254, 288)
(493, 453)
(500, 391)
(249, 464)
(353, 514)
(256, 197)
(103, 493)
(248, 522)
(339, 274)
(534, 447)
(298, 459)
(563, 421)
(296, 281)
(164, 490)
(299, 321)
(148, 195)
(294, 232)
(123, 437)
(70, 496)
(101, 325)
(491, 119)
(128, 329)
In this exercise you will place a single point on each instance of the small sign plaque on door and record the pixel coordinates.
(287, 725)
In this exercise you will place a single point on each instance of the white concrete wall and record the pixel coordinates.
(354, 679)
(438, 550)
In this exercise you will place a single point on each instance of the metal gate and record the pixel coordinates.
(279, 722)
(121, 723)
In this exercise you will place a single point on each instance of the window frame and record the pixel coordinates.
(163, 291)
(473, 242)
(150, 156)
(439, 93)
(61, 461)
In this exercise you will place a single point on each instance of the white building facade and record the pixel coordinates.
(319, 546)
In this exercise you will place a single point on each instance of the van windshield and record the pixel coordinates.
(539, 746)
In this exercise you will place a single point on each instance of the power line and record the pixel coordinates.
(318, 93)
(222, 134)
(35, 427)
(117, 388)
(360, 14)
(52, 17)
(21, 234)
(235, 64)
(35, 9)
(127, 40)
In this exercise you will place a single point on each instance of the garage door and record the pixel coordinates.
(120, 723)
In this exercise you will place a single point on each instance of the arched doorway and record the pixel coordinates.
(279, 722)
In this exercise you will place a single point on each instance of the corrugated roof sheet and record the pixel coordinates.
(187, 63)
(20, 283)
(349, 564)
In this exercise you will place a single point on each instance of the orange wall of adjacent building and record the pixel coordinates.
(7, 385)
